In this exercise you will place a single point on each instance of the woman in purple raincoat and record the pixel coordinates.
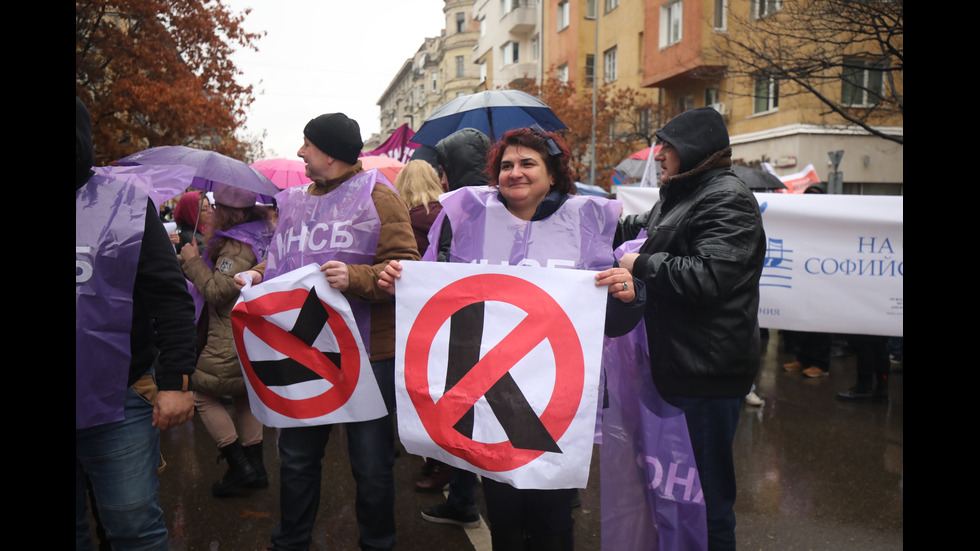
(529, 217)
(238, 238)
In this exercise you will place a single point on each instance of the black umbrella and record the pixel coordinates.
(492, 112)
(758, 180)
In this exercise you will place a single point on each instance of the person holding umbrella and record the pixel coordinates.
(370, 226)
(192, 214)
(532, 182)
(237, 240)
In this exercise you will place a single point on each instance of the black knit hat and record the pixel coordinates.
(695, 135)
(336, 135)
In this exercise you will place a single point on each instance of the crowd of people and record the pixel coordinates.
(694, 283)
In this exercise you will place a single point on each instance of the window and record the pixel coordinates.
(562, 15)
(611, 5)
(483, 72)
(671, 23)
(644, 121)
(460, 22)
(460, 67)
(511, 53)
(766, 94)
(711, 95)
(590, 9)
(609, 64)
(639, 53)
(721, 15)
(536, 47)
(862, 83)
(435, 81)
(762, 8)
(685, 102)
(507, 6)
(562, 73)
(589, 69)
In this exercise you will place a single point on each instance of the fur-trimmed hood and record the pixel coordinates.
(718, 159)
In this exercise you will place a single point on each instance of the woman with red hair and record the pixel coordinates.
(532, 194)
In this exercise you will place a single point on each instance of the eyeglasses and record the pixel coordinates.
(552, 146)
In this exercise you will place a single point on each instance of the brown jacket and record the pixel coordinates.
(218, 370)
(396, 242)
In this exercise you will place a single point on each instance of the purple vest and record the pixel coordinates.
(257, 235)
(578, 235)
(341, 225)
(109, 220)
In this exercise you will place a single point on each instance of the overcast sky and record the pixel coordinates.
(325, 56)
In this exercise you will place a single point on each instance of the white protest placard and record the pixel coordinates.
(497, 369)
(302, 355)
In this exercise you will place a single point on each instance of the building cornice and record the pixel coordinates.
(796, 129)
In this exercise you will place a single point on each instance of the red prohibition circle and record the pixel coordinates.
(545, 320)
(344, 377)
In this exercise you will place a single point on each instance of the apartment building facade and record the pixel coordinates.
(770, 119)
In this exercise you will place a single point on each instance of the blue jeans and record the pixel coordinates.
(120, 460)
(371, 451)
(711, 423)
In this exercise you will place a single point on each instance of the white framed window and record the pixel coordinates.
(460, 67)
(562, 15)
(507, 6)
(671, 23)
(766, 97)
(711, 95)
(611, 5)
(763, 8)
(511, 52)
(435, 81)
(862, 83)
(536, 47)
(589, 69)
(561, 73)
(609, 68)
(720, 15)
(590, 6)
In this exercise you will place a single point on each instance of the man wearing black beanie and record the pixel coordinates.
(701, 263)
(352, 224)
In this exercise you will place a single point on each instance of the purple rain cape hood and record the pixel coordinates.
(577, 235)
(341, 225)
(650, 489)
(109, 220)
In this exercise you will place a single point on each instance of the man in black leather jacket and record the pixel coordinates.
(701, 264)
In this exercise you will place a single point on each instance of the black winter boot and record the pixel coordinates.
(240, 472)
(253, 453)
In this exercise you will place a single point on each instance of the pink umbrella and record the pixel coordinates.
(284, 173)
(386, 165)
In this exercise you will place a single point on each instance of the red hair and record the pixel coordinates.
(558, 165)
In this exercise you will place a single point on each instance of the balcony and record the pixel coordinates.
(520, 20)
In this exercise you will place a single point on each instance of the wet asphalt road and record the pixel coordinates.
(814, 473)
